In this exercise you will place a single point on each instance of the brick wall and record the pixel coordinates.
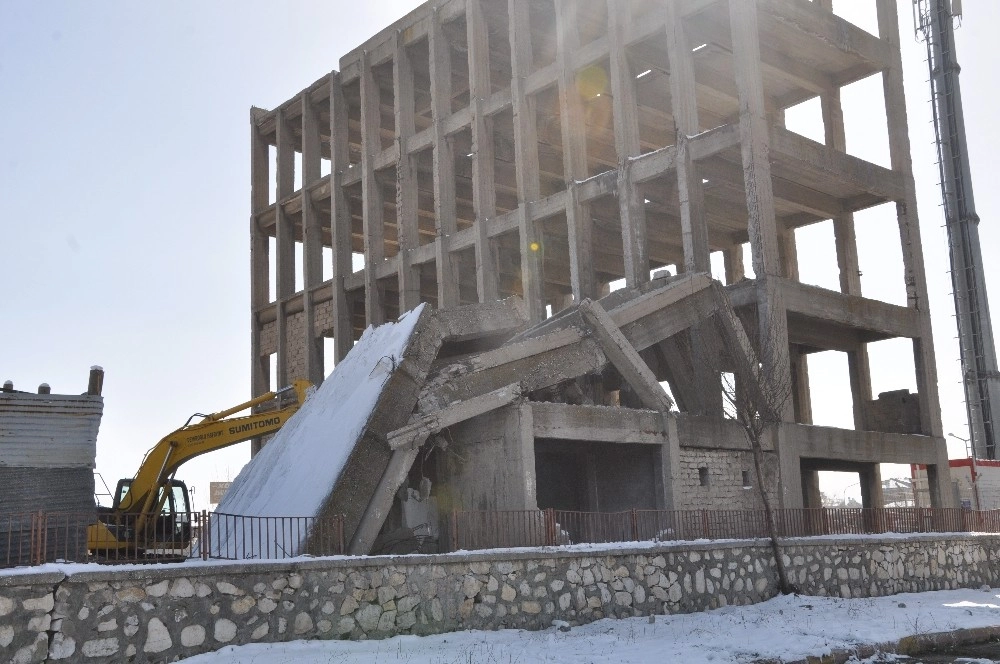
(722, 487)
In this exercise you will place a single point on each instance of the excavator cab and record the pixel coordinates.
(172, 523)
(163, 533)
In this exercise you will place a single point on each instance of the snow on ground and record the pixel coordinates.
(787, 628)
(297, 469)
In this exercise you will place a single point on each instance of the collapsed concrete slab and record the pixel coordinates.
(470, 408)
(332, 457)
(323, 461)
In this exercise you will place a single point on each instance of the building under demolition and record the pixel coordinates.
(542, 153)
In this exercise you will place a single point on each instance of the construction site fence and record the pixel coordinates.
(36, 538)
(473, 530)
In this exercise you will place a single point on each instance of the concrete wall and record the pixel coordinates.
(159, 613)
(894, 412)
(488, 463)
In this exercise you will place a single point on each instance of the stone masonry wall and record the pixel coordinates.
(153, 614)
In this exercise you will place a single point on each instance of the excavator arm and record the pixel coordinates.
(145, 494)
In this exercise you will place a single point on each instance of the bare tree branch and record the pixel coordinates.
(753, 397)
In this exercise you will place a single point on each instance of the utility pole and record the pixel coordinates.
(934, 21)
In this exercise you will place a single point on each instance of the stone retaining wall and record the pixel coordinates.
(152, 614)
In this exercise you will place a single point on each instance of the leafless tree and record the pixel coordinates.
(755, 389)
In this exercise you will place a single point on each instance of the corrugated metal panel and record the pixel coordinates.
(49, 430)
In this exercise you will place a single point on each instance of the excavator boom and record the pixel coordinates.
(142, 499)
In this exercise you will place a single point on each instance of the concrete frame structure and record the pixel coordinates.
(481, 149)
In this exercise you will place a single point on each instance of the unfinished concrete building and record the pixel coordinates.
(551, 150)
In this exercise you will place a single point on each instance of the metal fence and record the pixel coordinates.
(236, 537)
(39, 537)
(488, 530)
(43, 537)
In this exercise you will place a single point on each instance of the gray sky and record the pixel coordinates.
(124, 180)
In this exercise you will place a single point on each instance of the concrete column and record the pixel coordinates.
(284, 277)
(790, 467)
(909, 225)
(312, 241)
(407, 213)
(259, 255)
(444, 162)
(631, 207)
(684, 107)
(871, 487)
(812, 498)
(340, 221)
(522, 436)
(847, 257)
(371, 193)
(733, 261)
(801, 398)
(670, 461)
(484, 196)
(574, 145)
(525, 158)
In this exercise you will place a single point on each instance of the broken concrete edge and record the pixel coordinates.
(567, 337)
(357, 484)
(917, 644)
(492, 370)
(434, 328)
(426, 425)
(473, 321)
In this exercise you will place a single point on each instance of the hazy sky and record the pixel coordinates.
(124, 184)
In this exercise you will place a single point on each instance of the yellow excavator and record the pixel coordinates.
(150, 516)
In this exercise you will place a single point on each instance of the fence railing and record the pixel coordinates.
(39, 537)
(236, 537)
(36, 538)
(471, 530)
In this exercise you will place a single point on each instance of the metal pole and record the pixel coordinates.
(980, 376)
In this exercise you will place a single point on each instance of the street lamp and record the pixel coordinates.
(975, 470)
(843, 498)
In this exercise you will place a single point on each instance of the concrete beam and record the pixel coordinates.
(381, 501)
(625, 358)
(861, 446)
(533, 364)
(561, 421)
(421, 426)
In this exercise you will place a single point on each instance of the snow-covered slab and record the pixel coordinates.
(331, 454)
